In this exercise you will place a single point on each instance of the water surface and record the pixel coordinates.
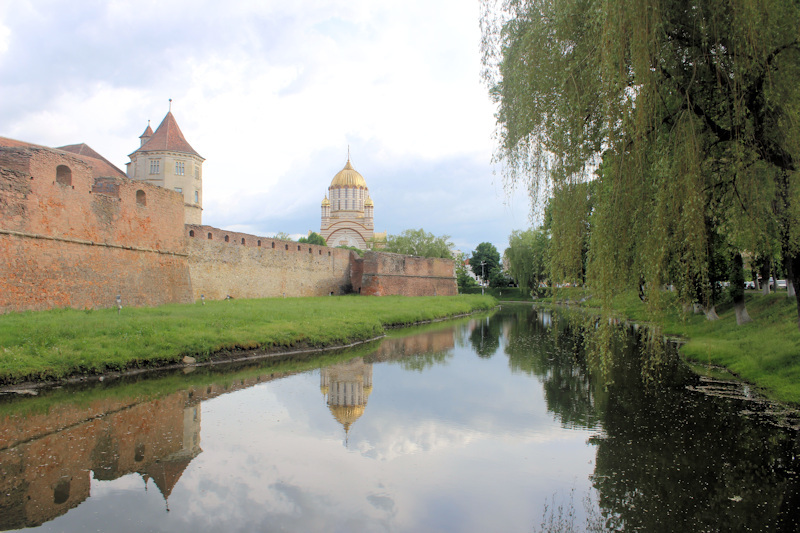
(491, 423)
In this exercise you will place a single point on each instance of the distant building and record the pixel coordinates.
(347, 212)
(166, 159)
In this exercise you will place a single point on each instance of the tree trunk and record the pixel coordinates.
(796, 268)
(711, 313)
(765, 268)
(787, 265)
(737, 290)
(742, 316)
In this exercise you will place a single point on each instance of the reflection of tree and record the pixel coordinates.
(677, 460)
(555, 355)
(485, 336)
(420, 361)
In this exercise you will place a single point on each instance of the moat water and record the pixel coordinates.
(492, 423)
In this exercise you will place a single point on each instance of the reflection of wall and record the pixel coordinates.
(47, 460)
(51, 473)
(421, 343)
(347, 387)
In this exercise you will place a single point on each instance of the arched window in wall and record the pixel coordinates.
(141, 197)
(63, 175)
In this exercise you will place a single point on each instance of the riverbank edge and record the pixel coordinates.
(704, 347)
(225, 356)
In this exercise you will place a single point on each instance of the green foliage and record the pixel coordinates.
(58, 343)
(282, 235)
(488, 254)
(313, 238)
(420, 243)
(528, 259)
(682, 116)
(359, 251)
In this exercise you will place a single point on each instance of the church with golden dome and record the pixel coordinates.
(347, 212)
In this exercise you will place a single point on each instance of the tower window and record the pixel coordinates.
(179, 189)
(197, 171)
(155, 166)
(197, 197)
(179, 168)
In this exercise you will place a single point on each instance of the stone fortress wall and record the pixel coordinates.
(68, 239)
(385, 273)
(71, 238)
(227, 263)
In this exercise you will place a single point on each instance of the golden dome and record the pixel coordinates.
(346, 414)
(348, 177)
(326, 202)
(368, 202)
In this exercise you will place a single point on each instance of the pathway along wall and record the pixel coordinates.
(70, 240)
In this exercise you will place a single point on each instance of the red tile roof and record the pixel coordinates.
(101, 167)
(148, 132)
(167, 138)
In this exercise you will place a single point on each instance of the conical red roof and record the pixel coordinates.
(167, 138)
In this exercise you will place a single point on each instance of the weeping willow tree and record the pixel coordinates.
(684, 114)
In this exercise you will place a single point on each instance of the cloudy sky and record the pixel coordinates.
(271, 93)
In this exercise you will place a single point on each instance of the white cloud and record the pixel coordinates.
(271, 94)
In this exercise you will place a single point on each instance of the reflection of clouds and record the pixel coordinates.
(393, 440)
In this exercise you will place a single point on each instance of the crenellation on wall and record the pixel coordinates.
(276, 268)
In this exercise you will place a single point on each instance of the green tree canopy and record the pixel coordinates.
(485, 253)
(313, 238)
(420, 243)
(684, 113)
(528, 258)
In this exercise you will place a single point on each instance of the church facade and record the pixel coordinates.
(347, 212)
(166, 159)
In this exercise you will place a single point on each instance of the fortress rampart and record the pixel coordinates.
(227, 263)
(71, 237)
(70, 240)
(385, 273)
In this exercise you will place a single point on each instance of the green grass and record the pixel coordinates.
(765, 352)
(49, 345)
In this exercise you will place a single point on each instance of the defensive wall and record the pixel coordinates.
(72, 237)
(385, 273)
(227, 263)
(68, 239)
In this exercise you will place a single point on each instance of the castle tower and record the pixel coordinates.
(166, 159)
(347, 210)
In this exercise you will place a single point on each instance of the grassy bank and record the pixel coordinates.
(50, 345)
(765, 352)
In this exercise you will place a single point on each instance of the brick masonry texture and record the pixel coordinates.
(63, 245)
(70, 239)
(385, 273)
(249, 266)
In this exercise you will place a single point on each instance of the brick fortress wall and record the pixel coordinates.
(227, 263)
(384, 274)
(70, 240)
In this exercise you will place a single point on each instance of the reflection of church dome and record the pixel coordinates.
(347, 387)
(346, 415)
(348, 177)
